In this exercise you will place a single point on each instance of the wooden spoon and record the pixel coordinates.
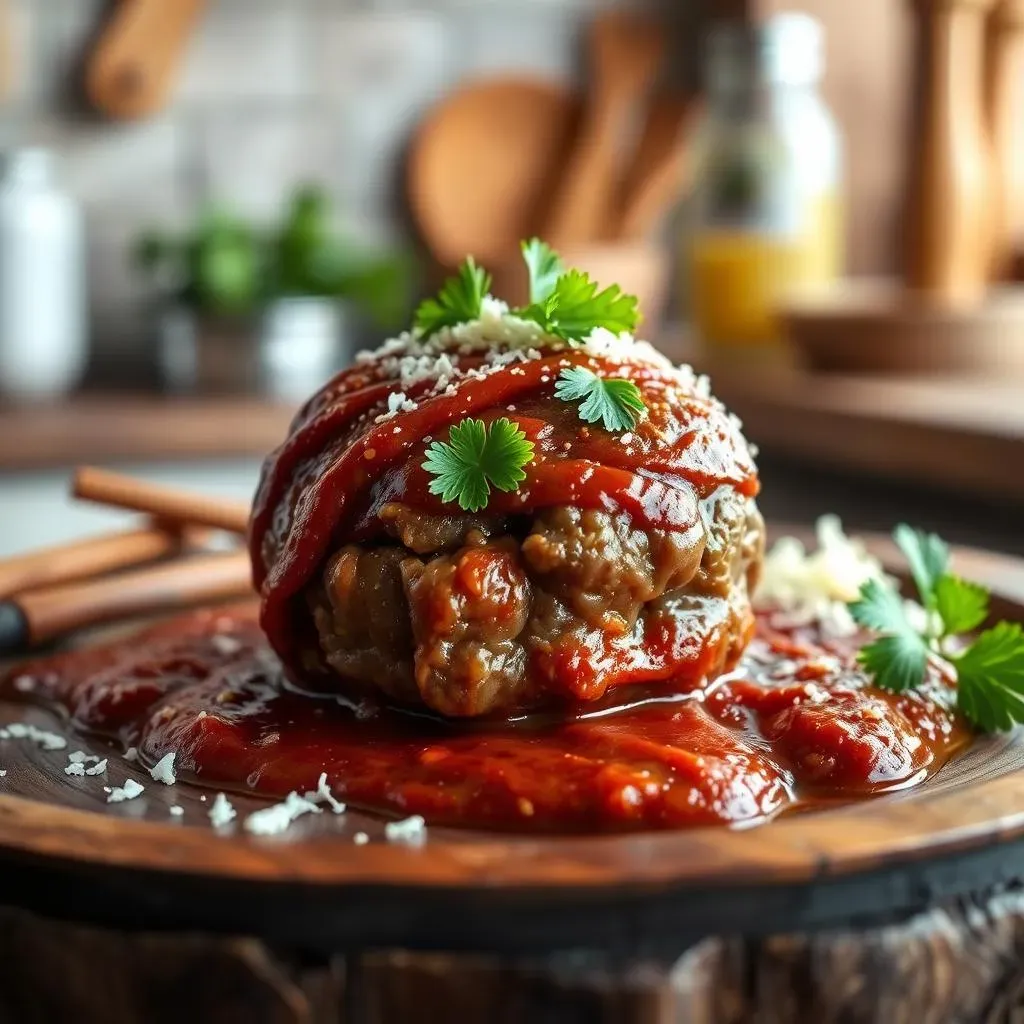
(131, 72)
(1004, 68)
(659, 172)
(482, 166)
(625, 55)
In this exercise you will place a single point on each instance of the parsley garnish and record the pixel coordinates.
(458, 301)
(544, 266)
(575, 307)
(614, 401)
(990, 671)
(475, 458)
(564, 303)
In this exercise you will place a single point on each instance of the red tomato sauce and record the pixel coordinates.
(792, 726)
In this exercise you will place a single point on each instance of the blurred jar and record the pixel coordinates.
(767, 204)
(42, 281)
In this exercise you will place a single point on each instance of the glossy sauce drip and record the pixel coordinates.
(791, 727)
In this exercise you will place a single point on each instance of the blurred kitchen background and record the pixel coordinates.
(208, 205)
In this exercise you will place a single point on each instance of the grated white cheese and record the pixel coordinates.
(222, 813)
(323, 795)
(412, 830)
(74, 768)
(176, 810)
(98, 768)
(81, 757)
(225, 645)
(360, 839)
(271, 820)
(42, 738)
(129, 791)
(816, 586)
(163, 770)
(131, 754)
(3, 773)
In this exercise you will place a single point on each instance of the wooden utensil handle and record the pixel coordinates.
(1004, 60)
(577, 217)
(131, 72)
(90, 557)
(164, 503)
(163, 588)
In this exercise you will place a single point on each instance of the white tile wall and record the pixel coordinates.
(248, 158)
(250, 49)
(534, 37)
(271, 92)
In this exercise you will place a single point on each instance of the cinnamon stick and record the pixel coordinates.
(90, 557)
(167, 504)
(172, 586)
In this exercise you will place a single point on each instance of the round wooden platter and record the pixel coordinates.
(133, 864)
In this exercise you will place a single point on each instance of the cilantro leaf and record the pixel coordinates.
(612, 400)
(927, 556)
(879, 607)
(990, 678)
(899, 657)
(475, 458)
(990, 671)
(961, 605)
(898, 661)
(576, 307)
(459, 300)
(545, 268)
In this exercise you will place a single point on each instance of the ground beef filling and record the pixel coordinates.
(470, 616)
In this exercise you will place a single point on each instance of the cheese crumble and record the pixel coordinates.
(323, 795)
(163, 770)
(221, 812)
(412, 830)
(271, 820)
(129, 791)
(815, 587)
(42, 738)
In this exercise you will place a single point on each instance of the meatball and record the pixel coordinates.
(469, 616)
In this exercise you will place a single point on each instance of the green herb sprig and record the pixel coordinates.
(475, 458)
(459, 300)
(616, 402)
(989, 671)
(566, 304)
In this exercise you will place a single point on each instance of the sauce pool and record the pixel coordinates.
(793, 726)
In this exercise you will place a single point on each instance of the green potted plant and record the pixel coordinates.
(272, 311)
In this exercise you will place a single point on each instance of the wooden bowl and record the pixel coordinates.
(876, 327)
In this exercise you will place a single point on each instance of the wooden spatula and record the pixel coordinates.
(657, 176)
(625, 55)
(131, 72)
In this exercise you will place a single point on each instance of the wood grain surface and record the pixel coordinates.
(133, 865)
(101, 428)
(958, 962)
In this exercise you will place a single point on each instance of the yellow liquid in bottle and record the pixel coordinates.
(738, 278)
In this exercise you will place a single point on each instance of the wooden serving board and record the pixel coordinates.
(774, 923)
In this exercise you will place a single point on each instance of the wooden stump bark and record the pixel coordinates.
(957, 963)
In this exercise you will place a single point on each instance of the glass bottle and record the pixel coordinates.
(767, 203)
